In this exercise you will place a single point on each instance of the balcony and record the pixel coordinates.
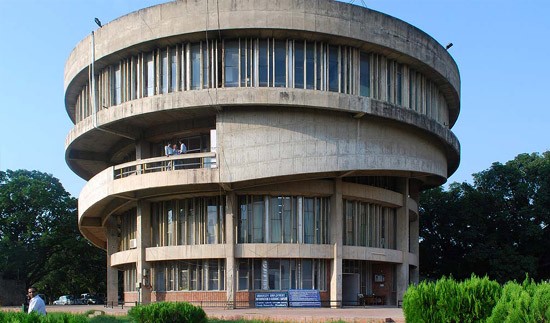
(165, 164)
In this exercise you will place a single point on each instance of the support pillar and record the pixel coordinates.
(231, 264)
(402, 269)
(143, 237)
(112, 273)
(414, 193)
(336, 238)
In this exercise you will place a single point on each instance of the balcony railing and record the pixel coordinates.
(165, 164)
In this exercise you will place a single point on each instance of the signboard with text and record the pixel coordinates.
(276, 299)
(304, 298)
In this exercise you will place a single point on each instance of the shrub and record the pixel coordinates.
(168, 312)
(479, 296)
(419, 303)
(528, 302)
(513, 305)
(449, 301)
(20, 317)
(540, 307)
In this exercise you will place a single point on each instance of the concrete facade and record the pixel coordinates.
(311, 129)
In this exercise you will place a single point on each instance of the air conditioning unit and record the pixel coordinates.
(133, 243)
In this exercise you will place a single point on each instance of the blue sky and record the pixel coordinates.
(501, 48)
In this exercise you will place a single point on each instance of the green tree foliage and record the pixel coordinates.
(498, 226)
(40, 243)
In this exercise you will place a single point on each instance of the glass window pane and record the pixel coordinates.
(173, 69)
(213, 275)
(299, 64)
(274, 274)
(289, 220)
(212, 219)
(231, 64)
(364, 75)
(243, 221)
(285, 274)
(170, 223)
(206, 64)
(310, 65)
(333, 69)
(280, 63)
(263, 63)
(164, 71)
(244, 273)
(258, 220)
(308, 220)
(150, 77)
(116, 85)
(307, 274)
(275, 214)
(257, 274)
(195, 67)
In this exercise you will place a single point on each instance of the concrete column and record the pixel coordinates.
(143, 238)
(336, 238)
(230, 241)
(112, 273)
(414, 193)
(402, 270)
(414, 232)
(143, 149)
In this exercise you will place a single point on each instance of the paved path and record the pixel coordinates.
(367, 314)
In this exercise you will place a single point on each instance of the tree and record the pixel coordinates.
(498, 226)
(39, 238)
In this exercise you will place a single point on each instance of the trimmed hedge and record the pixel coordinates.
(477, 300)
(20, 317)
(168, 312)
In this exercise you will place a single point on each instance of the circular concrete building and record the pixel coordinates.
(238, 150)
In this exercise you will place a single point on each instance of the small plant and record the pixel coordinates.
(168, 312)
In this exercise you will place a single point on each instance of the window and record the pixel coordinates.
(170, 223)
(267, 62)
(369, 224)
(173, 87)
(310, 65)
(189, 275)
(291, 219)
(195, 66)
(116, 89)
(150, 75)
(263, 64)
(282, 274)
(231, 60)
(399, 84)
(280, 63)
(198, 221)
(164, 71)
(130, 278)
(127, 224)
(333, 68)
(299, 60)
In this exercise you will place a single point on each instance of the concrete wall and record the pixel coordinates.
(321, 17)
(259, 143)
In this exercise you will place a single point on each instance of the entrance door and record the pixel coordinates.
(350, 289)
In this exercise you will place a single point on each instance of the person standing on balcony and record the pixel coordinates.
(168, 150)
(183, 148)
(175, 150)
